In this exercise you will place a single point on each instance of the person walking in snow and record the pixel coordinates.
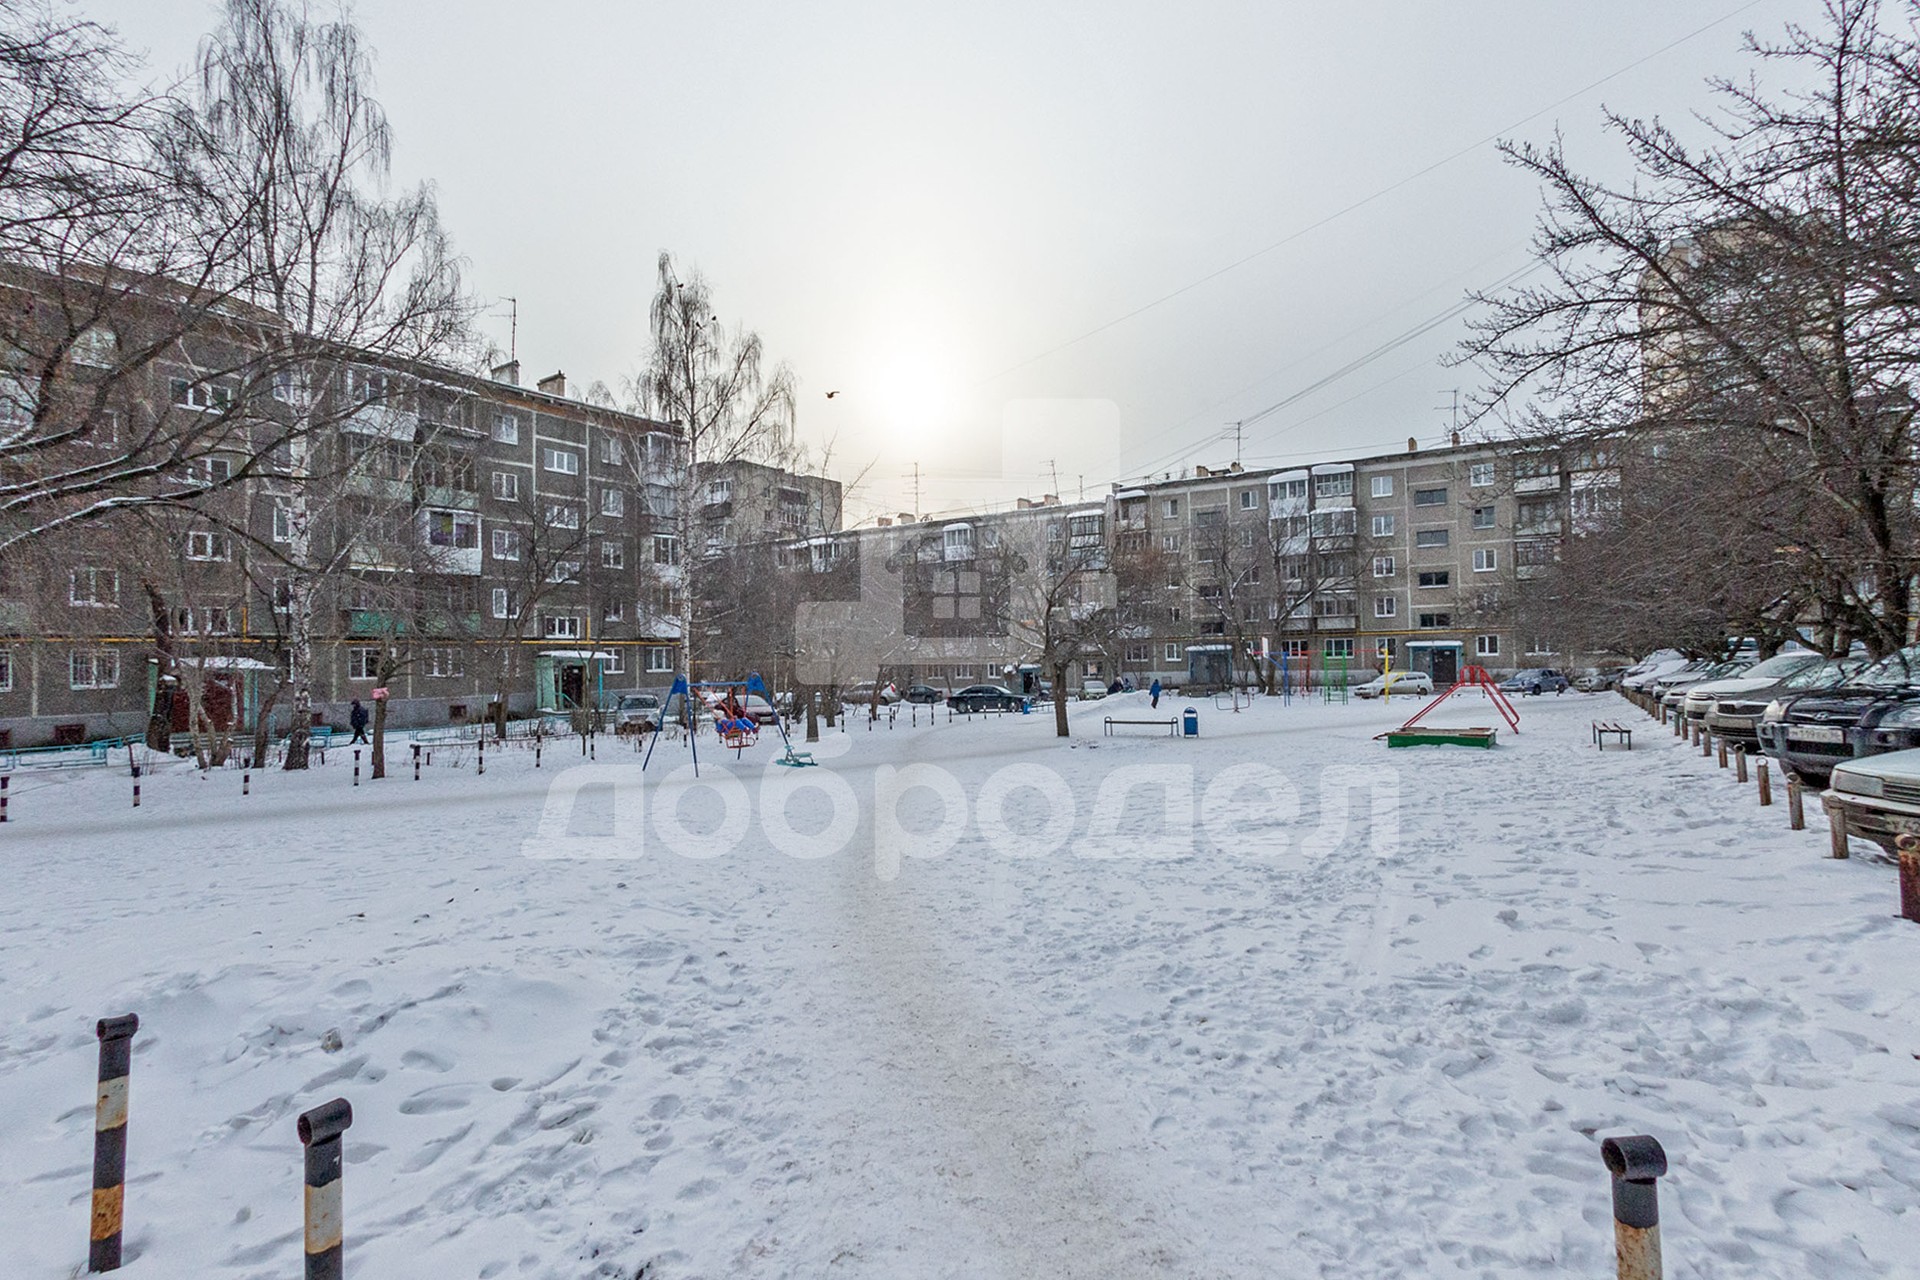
(357, 718)
(1153, 691)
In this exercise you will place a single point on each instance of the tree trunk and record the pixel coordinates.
(263, 726)
(299, 668)
(379, 738)
(1060, 700)
(813, 715)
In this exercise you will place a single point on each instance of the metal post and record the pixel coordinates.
(110, 1141)
(136, 786)
(483, 753)
(320, 1131)
(1796, 811)
(246, 784)
(536, 751)
(1907, 848)
(356, 766)
(1723, 751)
(4, 778)
(1740, 764)
(1636, 1164)
(1766, 786)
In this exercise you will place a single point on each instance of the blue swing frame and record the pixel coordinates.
(752, 684)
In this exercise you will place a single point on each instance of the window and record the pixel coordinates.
(613, 450)
(283, 388)
(1486, 560)
(6, 670)
(613, 502)
(506, 546)
(1487, 646)
(502, 603)
(97, 346)
(506, 429)
(719, 491)
(1139, 653)
(1541, 647)
(1247, 499)
(1540, 514)
(564, 461)
(1339, 485)
(1383, 526)
(363, 662)
(1480, 475)
(612, 556)
(189, 394)
(1335, 522)
(1170, 542)
(1382, 486)
(506, 486)
(1429, 497)
(1385, 606)
(459, 529)
(560, 626)
(1170, 508)
(93, 587)
(1483, 517)
(209, 544)
(1436, 620)
(563, 515)
(614, 663)
(666, 549)
(91, 669)
(1246, 537)
(659, 660)
(1173, 653)
(1340, 648)
(446, 663)
(1430, 538)
(1383, 566)
(613, 611)
(282, 522)
(1436, 578)
(1387, 650)
(564, 571)
(1287, 490)
(211, 471)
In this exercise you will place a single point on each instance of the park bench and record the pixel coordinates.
(1171, 724)
(1604, 729)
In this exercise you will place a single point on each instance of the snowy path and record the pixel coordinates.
(1249, 1060)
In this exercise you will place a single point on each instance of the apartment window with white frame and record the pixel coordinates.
(614, 663)
(446, 663)
(563, 515)
(564, 571)
(1487, 646)
(501, 603)
(1385, 606)
(506, 486)
(1480, 475)
(93, 587)
(506, 544)
(1485, 560)
(283, 522)
(613, 555)
(363, 662)
(659, 660)
(613, 502)
(613, 611)
(1248, 497)
(93, 669)
(506, 429)
(1383, 566)
(1173, 653)
(1170, 508)
(1381, 486)
(613, 451)
(563, 461)
(562, 626)
(666, 549)
(1383, 526)
(1430, 538)
(1170, 542)
(1341, 648)
(208, 544)
(6, 670)
(1338, 485)
(1483, 518)
(1541, 647)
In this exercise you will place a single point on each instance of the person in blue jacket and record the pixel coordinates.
(1153, 691)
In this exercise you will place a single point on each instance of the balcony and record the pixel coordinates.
(383, 420)
(1537, 484)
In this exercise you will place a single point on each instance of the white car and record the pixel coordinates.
(1879, 797)
(1390, 682)
(1700, 697)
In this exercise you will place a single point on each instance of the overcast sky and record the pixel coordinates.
(965, 219)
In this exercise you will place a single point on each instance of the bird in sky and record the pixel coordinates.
(832, 394)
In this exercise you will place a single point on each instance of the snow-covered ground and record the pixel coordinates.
(1140, 1016)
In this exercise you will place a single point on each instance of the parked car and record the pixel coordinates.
(637, 713)
(1672, 690)
(1639, 679)
(757, 708)
(1092, 689)
(924, 694)
(1597, 679)
(1689, 673)
(1697, 699)
(1736, 715)
(1401, 682)
(861, 695)
(985, 697)
(1873, 711)
(1878, 797)
(1536, 680)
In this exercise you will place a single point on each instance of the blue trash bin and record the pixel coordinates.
(1190, 723)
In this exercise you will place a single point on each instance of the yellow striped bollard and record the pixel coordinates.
(110, 1142)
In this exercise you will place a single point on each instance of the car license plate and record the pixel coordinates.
(1815, 733)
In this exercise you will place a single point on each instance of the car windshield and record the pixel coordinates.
(1724, 670)
(1822, 675)
(638, 702)
(1897, 670)
(1781, 664)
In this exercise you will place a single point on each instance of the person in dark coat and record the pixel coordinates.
(357, 718)
(1153, 691)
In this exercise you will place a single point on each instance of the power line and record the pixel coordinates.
(1364, 201)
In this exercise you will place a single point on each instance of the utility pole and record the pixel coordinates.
(513, 328)
(916, 493)
(1053, 466)
(1239, 430)
(1454, 409)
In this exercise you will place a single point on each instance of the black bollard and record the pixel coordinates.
(110, 1141)
(356, 766)
(1636, 1164)
(246, 784)
(320, 1131)
(416, 762)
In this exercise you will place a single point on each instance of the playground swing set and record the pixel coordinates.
(732, 722)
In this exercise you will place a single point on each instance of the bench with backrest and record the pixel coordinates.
(1604, 729)
(1171, 724)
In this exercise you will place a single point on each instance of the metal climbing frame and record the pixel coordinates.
(1474, 677)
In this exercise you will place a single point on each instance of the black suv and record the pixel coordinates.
(1874, 711)
(984, 697)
